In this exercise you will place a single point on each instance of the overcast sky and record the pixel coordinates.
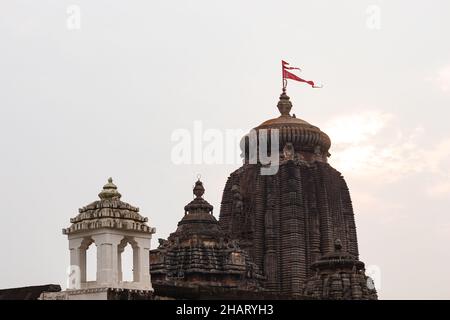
(80, 103)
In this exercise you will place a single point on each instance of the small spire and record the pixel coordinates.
(109, 191)
(199, 204)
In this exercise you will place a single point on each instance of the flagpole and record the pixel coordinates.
(282, 76)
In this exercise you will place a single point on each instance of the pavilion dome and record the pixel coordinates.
(109, 212)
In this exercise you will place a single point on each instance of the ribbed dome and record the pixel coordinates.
(302, 135)
(284, 120)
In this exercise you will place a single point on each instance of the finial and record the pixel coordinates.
(109, 191)
(198, 190)
(337, 245)
(284, 105)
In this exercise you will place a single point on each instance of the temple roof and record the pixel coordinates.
(109, 212)
(199, 204)
(303, 135)
(284, 120)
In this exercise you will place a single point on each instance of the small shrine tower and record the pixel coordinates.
(339, 276)
(200, 254)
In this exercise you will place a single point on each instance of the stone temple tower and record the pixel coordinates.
(289, 220)
(199, 254)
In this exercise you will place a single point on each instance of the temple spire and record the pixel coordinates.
(198, 205)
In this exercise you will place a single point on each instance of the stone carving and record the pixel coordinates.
(339, 275)
(288, 151)
(238, 204)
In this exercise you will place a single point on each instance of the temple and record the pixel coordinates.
(290, 220)
(293, 231)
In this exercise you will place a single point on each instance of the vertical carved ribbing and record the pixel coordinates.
(277, 231)
(314, 227)
(326, 241)
(332, 184)
(259, 217)
(305, 184)
(293, 245)
(226, 206)
(270, 261)
(291, 219)
(285, 242)
(349, 218)
(301, 243)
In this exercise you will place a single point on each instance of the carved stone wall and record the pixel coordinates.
(288, 220)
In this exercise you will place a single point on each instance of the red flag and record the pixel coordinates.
(287, 67)
(290, 75)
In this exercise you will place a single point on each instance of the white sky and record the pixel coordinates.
(78, 106)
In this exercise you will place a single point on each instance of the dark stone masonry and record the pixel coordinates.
(199, 253)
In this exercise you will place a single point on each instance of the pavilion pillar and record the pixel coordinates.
(141, 253)
(107, 258)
